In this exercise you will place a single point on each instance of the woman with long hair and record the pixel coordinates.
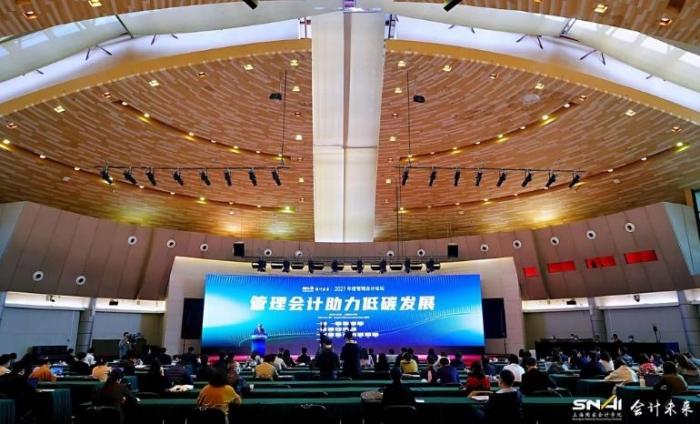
(218, 394)
(687, 369)
(155, 380)
(116, 395)
(477, 380)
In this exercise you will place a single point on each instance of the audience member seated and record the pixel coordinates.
(622, 353)
(408, 364)
(116, 395)
(253, 361)
(327, 361)
(477, 380)
(218, 394)
(606, 362)
(178, 374)
(14, 385)
(90, 357)
(431, 355)
(128, 363)
(687, 369)
(397, 393)
(164, 357)
(222, 362)
(80, 366)
(457, 362)
(153, 353)
(670, 383)
(391, 356)
(556, 367)
(646, 366)
(523, 354)
(42, 372)
(266, 370)
(4, 364)
(155, 380)
(486, 366)
(382, 364)
(189, 358)
(100, 371)
(233, 376)
(366, 361)
(204, 371)
(350, 355)
(372, 355)
(447, 374)
(304, 358)
(287, 358)
(429, 373)
(535, 380)
(591, 368)
(514, 368)
(622, 373)
(504, 406)
(279, 361)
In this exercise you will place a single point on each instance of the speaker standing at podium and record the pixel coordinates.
(258, 340)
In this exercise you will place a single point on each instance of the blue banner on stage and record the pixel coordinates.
(252, 312)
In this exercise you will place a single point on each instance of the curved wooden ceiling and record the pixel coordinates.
(638, 15)
(229, 105)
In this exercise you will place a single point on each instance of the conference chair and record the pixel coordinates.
(207, 416)
(399, 414)
(310, 414)
(102, 415)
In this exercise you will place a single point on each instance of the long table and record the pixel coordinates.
(338, 391)
(7, 411)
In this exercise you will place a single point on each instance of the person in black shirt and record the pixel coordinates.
(222, 362)
(14, 385)
(591, 366)
(304, 358)
(116, 395)
(350, 354)
(164, 357)
(190, 357)
(382, 364)
(155, 380)
(204, 372)
(504, 406)
(534, 380)
(79, 366)
(431, 355)
(397, 393)
(327, 362)
(127, 363)
(457, 362)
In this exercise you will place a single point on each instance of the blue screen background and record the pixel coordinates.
(455, 321)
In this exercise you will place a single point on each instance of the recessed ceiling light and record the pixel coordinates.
(5, 141)
(429, 206)
(610, 170)
(486, 200)
(500, 135)
(213, 141)
(460, 213)
(106, 94)
(388, 181)
(630, 112)
(676, 129)
(401, 64)
(515, 194)
(141, 187)
(582, 97)
(447, 68)
(301, 179)
(172, 193)
(539, 86)
(153, 83)
(600, 8)
(299, 158)
(298, 137)
(201, 198)
(398, 90)
(258, 206)
(230, 203)
(294, 62)
(125, 103)
(191, 134)
(146, 115)
(94, 3)
(644, 158)
(545, 117)
(567, 105)
(522, 127)
(297, 114)
(279, 155)
(59, 109)
(248, 66)
(76, 168)
(454, 147)
(395, 115)
(493, 75)
(392, 138)
(235, 147)
(457, 204)
(230, 212)
(201, 74)
(616, 181)
(42, 156)
(257, 151)
(680, 144)
(30, 14)
(296, 89)
(11, 125)
(665, 21)
(432, 153)
(477, 143)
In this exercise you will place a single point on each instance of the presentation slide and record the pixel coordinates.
(263, 313)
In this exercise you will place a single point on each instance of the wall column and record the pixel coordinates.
(3, 297)
(690, 319)
(597, 317)
(87, 319)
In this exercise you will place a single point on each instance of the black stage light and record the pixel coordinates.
(105, 175)
(276, 177)
(478, 176)
(204, 177)
(552, 178)
(336, 266)
(129, 176)
(407, 265)
(275, 95)
(501, 178)
(458, 175)
(404, 176)
(262, 265)
(227, 177)
(433, 176)
(449, 4)
(528, 178)
(382, 266)
(151, 175)
(432, 265)
(251, 3)
(574, 180)
(177, 176)
(418, 98)
(311, 266)
(253, 178)
(358, 266)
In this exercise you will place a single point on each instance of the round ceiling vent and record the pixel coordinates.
(203, 247)
(420, 252)
(554, 241)
(484, 247)
(390, 253)
(80, 280)
(267, 252)
(297, 254)
(517, 244)
(38, 275)
(629, 227)
(132, 240)
(591, 235)
(171, 243)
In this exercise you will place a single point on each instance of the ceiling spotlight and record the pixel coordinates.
(105, 175)
(407, 265)
(151, 175)
(276, 177)
(382, 266)
(311, 266)
(260, 265)
(276, 95)
(252, 177)
(449, 4)
(359, 266)
(501, 178)
(478, 176)
(433, 176)
(404, 176)
(458, 174)
(528, 178)
(177, 176)
(418, 98)
(286, 265)
(251, 3)
(574, 180)
(204, 177)
(552, 178)
(227, 177)
(431, 266)
(129, 176)
(336, 266)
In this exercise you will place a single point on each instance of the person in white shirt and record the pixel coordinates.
(279, 363)
(513, 367)
(623, 373)
(606, 361)
(90, 357)
(5, 364)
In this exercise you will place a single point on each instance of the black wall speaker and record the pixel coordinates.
(494, 318)
(452, 250)
(192, 314)
(239, 249)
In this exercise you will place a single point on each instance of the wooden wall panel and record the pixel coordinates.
(77, 259)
